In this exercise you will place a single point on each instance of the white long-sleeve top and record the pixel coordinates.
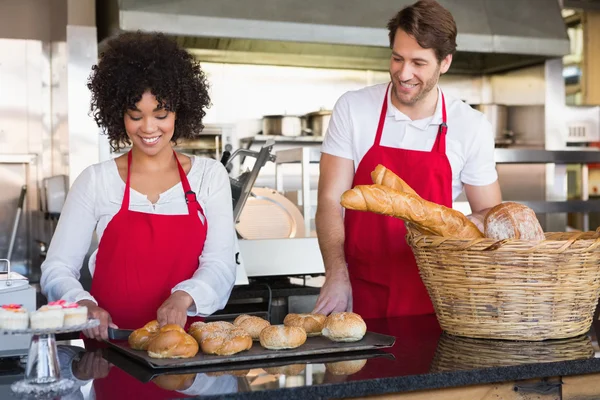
(96, 196)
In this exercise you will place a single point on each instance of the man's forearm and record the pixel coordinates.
(330, 233)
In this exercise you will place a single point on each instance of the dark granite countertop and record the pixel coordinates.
(422, 358)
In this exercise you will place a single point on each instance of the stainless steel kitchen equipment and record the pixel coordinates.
(317, 122)
(13, 234)
(15, 289)
(282, 125)
(492, 37)
(242, 185)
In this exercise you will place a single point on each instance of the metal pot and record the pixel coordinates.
(317, 122)
(282, 125)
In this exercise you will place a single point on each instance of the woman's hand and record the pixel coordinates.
(174, 309)
(91, 366)
(101, 331)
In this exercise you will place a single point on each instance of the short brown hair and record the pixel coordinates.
(430, 24)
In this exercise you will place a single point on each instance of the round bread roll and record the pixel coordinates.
(311, 323)
(172, 342)
(225, 342)
(200, 330)
(345, 367)
(174, 382)
(279, 337)
(512, 220)
(287, 370)
(251, 324)
(140, 338)
(344, 327)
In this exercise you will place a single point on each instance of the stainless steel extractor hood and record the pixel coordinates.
(494, 35)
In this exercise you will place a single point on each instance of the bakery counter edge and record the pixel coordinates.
(422, 358)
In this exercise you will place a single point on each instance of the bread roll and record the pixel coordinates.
(344, 327)
(174, 382)
(513, 221)
(383, 176)
(172, 342)
(140, 338)
(251, 324)
(345, 367)
(311, 323)
(279, 337)
(431, 217)
(200, 330)
(287, 370)
(226, 342)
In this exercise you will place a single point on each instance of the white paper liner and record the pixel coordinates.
(91, 323)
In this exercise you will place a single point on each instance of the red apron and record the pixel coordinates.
(384, 276)
(142, 256)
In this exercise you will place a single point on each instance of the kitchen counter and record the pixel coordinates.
(423, 358)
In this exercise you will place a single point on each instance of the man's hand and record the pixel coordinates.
(174, 309)
(91, 366)
(477, 219)
(101, 331)
(336, 294)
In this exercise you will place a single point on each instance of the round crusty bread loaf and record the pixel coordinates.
(279, 337)
(344, 327)
(200, 330)
(226, 342)
(345, 367)
(512, 221)
(174, 382)
(140, 338)
(311, 323)
(172, 342)
(251, 324)
(287, 370)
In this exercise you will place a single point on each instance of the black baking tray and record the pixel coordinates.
(314, 346)
(145, 374)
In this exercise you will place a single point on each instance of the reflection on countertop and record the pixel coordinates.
(422, 358)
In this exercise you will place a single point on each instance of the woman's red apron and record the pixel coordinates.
(142, 256)
(384, 276)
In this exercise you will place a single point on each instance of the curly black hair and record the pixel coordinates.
(135, 62)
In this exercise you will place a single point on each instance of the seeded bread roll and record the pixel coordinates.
(200, 330)
(311, 323)
(344, 327)
(279, 337)
(226, 342)
(251, 324)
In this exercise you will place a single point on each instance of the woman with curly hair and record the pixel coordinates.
(164, 221)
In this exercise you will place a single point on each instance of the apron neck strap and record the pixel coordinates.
(440, 141)
(190, 196)
(384, 109)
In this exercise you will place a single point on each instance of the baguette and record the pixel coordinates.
(383, 176)
(435, 218)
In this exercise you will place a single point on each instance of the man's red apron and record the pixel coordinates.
(383, 273)
(142, 256)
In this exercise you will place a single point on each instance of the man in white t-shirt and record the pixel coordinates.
(437, 144)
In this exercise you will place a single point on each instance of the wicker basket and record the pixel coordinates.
(511, 289)
(456, 353)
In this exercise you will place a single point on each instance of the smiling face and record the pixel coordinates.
(414, 70)
(149, 126)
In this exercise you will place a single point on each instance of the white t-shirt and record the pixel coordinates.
(94, 199)
(469, 140)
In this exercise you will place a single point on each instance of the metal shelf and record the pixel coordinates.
(283, 139)
(530, 156)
